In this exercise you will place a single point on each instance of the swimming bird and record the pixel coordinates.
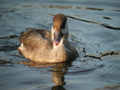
(44, 46)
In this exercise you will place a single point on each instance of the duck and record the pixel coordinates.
(48, 46)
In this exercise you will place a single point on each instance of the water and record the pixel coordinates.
(94, 29)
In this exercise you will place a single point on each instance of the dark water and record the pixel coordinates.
(94, 28)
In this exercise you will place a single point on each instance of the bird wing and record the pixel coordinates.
(36, 39)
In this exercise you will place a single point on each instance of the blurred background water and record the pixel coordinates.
(95, 28)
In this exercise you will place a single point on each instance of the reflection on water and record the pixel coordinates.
(58, 78)
(58, 71)
(58, 74)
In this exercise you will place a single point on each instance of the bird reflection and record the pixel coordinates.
(58, 72)
(58, 88)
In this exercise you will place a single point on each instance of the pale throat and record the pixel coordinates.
(52, 33)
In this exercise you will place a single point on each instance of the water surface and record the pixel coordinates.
(94, 28)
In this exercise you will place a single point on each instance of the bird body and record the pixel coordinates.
(43, 46)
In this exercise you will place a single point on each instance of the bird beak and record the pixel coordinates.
(57, 37)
